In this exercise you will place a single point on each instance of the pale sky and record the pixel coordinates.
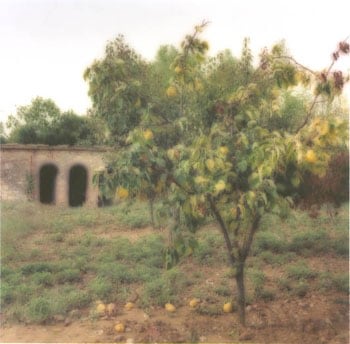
(47, 44)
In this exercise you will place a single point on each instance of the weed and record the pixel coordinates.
(32, 268)
(313, 241)
(301, 289)
(284, 284)
(43, 278)
(7, 295)
(341, 282)
(267, 294)
(300, 271)
(39, 310)
(268, 241)
(164, 289)
(257, 279)
(209, 310)
(223, 290)
(100, 288)
(68, 276)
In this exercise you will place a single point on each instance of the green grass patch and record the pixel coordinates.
(300, 271)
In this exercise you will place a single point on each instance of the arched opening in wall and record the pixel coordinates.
(47, 183)
(77, 185)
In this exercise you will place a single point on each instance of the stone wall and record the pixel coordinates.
(22, 174)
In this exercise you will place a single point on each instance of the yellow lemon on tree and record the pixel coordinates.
(200, 180)
(129, 305)
(120, 328)
(171, 91)
(210, 164)
(310, 156)
(148, 135)
(194, 303)
(227, 308)
(122, 192)
(178, 69)
(220, 186)
(170, 308)
(223, 150)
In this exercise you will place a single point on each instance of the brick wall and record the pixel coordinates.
(21, 166)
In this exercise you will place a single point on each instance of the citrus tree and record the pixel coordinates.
(229, 163)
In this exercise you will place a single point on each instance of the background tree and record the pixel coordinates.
(117, 89)
(43, 122)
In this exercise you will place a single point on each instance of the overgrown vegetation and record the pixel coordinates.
(42, 277)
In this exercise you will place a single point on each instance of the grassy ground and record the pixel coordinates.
(55, 261)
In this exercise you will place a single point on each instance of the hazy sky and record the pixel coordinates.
(47, 44)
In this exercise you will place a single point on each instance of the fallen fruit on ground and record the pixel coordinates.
(129, 305)
(101, 309)
(194, 303)
(120, 328)
(227, 308)
(170, 308)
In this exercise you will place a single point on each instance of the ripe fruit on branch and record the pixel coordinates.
(148, 135)
(310, 156)
(122, 192)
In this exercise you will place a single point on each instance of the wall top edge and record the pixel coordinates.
(15, 146)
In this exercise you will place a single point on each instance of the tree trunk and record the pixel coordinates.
(241, 291)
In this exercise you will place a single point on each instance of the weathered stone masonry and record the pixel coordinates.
(60, 175)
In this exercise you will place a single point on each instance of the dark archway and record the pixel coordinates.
(47, 183)
(77, 185)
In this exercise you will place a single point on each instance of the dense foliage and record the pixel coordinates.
(42, 122)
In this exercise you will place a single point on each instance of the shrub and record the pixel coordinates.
(267, 241)
(300, 271)
(68, 276)
(100, 288)
(32, 268)
(43, 278)
(315, 242)
(39, 310)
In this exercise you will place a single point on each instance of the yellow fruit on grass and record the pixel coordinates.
(310, 156)
(171, 91)
(129, 305)
(194, 303)
(170, 308)
(120, 328)
(148, 135)
(111, 309)
(122, 192)
(101, 309)
(227, 308)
